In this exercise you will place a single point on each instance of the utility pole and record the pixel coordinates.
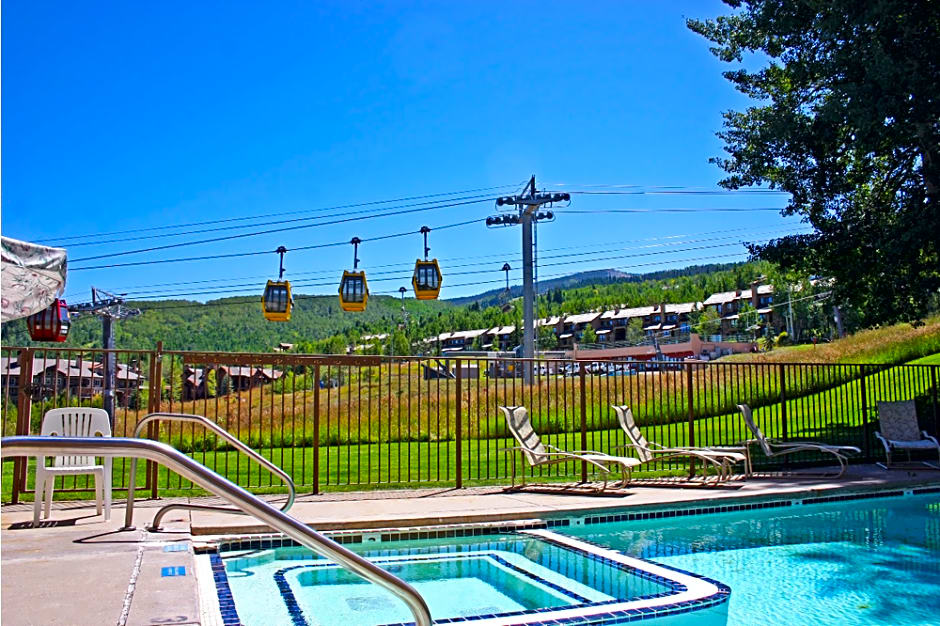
(790, 315)
(528, 205)
(109, 308)
(837, 316)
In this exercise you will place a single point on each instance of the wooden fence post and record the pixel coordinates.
(24, 409)
(689, 392)
(316, 429)
(155, 404)
(784, 427)
(459, 433)
(584, 472)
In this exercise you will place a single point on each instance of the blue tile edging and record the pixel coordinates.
(226, 601)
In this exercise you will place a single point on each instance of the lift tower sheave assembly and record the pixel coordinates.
(108, 307)
(528, 204)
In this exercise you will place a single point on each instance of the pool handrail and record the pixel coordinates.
(224, 434)
(214, 483)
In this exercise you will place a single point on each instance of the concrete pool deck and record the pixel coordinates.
(79, 569)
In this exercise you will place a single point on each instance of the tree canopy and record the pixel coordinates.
(847, 120)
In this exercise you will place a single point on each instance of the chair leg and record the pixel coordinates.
(107, 490)
(99, 487)
(38, 496)
(49, 485)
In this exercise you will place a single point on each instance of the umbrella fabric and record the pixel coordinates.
(30, 276)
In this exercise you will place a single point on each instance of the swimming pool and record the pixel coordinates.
(865, 559)
(531, 576)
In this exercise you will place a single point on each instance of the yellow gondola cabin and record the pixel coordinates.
(276, 302)
(426, 279)
(353, 292)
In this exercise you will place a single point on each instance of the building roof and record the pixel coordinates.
(582, 318)
(502, 330)
(619, 314)
(548, 321)
(682, 307)
(730, 296)
(379, 336)
(462, 334)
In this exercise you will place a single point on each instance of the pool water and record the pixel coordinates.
(872, 561)
(458, 577)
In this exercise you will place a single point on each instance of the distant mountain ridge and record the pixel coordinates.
(585, 279)
(579, 279)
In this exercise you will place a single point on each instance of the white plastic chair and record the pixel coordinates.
(73, 422)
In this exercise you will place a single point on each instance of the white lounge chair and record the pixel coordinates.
(73, 422)
(720, 460)
(775, 447)
(899, 431)
(536, 453)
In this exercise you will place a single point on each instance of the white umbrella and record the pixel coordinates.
(30, 277)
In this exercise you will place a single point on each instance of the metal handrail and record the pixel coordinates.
(219, 485)
(224, 434)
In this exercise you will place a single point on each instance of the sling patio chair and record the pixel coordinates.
(537, 453)
(775, 447)
(899, 431)
(719, 459)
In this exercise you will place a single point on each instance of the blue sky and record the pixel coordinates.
(124, 117)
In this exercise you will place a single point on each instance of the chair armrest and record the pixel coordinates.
(930, 437)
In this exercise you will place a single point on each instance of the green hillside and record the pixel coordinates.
(234, 324)
(318, 325)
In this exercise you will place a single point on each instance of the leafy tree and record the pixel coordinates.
(709, 323)
(398, 344)
(635, 332)
(588, 335)
(211, 386)
(547, 340)
(848, 122)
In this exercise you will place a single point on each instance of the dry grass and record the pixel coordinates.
(895, 344)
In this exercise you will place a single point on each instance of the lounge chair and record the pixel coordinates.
(899, 431)
(774, 447)
(537, 453)
(720, 460)
(73, 422)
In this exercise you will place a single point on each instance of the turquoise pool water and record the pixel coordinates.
(873, 561)
(458, 577)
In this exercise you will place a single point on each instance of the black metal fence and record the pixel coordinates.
(362, 421)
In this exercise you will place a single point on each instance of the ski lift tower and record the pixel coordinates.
(108, 307)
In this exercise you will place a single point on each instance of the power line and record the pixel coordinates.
(675, 210)
(280, 221)
(251, 217)
(243, 254)
(254, 302)
(230, 284)
(503, 255)
(274, 230)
